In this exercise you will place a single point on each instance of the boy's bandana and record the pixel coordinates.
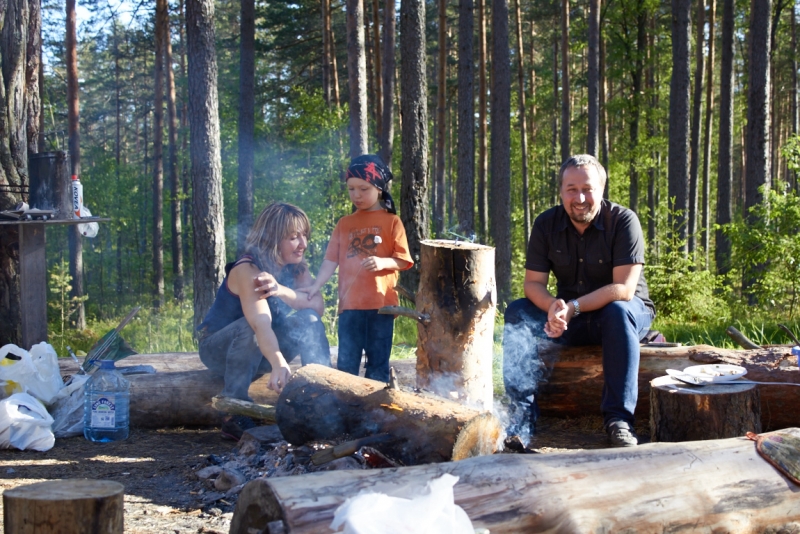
(372, 169)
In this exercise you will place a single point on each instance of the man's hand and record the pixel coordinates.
(558, 317)
(279, 376)
(266, 285)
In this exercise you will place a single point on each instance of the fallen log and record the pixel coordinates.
(575, 385)
(321, 403)
(703, 486)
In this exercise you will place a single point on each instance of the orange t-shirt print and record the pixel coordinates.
(356, 237)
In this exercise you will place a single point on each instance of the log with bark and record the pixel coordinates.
(320, 403)
(575, 385)
(701, 486)
(454, 348)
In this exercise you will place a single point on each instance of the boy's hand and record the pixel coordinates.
(266, 285)
(311, 290)
(374, 263)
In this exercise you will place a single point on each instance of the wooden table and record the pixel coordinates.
(33, 275)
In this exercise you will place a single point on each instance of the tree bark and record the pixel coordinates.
(441, 124)
(686, 413)
(172, 166)
(757, 173)
(636, 101)
(414, 110)
(321, 403)
(161, 32)
(708, 486)
(326, 55)
(678, 168)
(65, 507)
(207, 208)
(483, 160)
(357, 78)
(465, 180)
(376, 39)
(566, 108)
(593, 79)
(73, 114)
(247, 101)
(454, 350)
(523, 128)
(500, 193)
(603, 109)
(724, 215)
(697, 104)
(33, 65)
(388, 66)
(706, 208)
(555, 164)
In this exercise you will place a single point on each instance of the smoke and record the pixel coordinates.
(524, 370)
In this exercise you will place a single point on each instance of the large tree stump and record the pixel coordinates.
(701, 486)
(320, 403)
(454, 350)
(680, 412)
(65, 507)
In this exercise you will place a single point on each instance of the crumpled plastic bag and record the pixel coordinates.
(35, 372)
(432, 512)
(88, 229)
(67, 408)
(25, 424)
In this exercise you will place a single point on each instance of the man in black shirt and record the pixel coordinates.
(595, 250)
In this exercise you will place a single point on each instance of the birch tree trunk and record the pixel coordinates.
(207, 218)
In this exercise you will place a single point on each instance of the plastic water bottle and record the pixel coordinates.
(77, 196)
(106, 405)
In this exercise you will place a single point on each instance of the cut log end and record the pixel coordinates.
(256, 508)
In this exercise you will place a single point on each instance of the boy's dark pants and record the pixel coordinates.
(368, 331)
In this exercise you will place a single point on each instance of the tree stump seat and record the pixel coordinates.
(70, 506)
(680, 412)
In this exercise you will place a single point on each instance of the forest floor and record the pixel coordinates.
(158, 468)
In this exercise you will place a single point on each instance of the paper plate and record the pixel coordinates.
(716, 372)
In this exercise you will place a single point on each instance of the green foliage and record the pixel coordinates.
(62, 305)
(681, 289)
(766, 251)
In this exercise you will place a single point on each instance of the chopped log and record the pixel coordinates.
(65, 507)
(232, 406)
(679, 412)
(457, 291)
(702, 486)
(321, 403)
(575, 385)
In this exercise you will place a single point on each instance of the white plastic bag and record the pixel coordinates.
(88, 229)
(67, 408)
(25, 424)
(432, 512)
(35, 372)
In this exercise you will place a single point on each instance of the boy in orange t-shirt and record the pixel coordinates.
(369, 247)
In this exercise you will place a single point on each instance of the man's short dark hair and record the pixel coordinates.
(582, 161)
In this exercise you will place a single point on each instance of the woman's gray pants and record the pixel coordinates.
(232, 352)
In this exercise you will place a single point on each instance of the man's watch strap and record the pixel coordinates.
(577, 307)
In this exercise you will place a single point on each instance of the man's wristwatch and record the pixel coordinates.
(577, 307)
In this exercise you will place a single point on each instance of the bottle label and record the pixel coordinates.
(103, 411)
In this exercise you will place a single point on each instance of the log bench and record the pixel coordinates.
(180, 392)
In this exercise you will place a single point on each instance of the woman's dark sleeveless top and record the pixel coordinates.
(227, 307)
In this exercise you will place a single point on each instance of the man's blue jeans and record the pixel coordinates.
(618, 327)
